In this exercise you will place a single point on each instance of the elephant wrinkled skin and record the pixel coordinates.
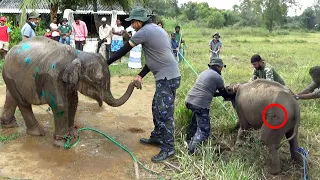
(250, 101)
(41, 71)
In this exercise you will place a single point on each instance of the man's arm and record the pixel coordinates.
(254, 75)
(116, 33)
(121, 52)
(269, 74)
(310, 88)
(85, 30)
(101, 33)
(144, 71)
(138, 38)
(9, 30)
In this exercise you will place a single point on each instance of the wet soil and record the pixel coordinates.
(95, 157)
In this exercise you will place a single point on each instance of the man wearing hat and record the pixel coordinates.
(215, 45)
(28, 30)
(161, 62)
(199, 99)
(264, 70)
(105, 34)
(65, 31)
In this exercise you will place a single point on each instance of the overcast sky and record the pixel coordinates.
(227, 4)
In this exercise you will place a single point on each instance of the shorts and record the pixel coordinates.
(4, 45)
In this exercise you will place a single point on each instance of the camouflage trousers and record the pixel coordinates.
(163, 112)
(199, 129)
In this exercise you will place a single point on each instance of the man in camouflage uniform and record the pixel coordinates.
(199, 100)
(264, 70)
(161, 62)
(312, 91)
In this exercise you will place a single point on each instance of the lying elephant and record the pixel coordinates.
(251, 100)
(41, 71)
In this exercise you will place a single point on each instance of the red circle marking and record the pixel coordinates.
(285, 116)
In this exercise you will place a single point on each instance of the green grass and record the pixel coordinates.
(292, 54)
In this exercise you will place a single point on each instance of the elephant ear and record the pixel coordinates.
(71, 73)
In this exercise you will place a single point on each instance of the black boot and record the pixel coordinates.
(163, 155)
(151, 141)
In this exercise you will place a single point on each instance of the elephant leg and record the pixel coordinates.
(8, 119)
(60, 115)
(33, 126)
(275, 160)
(294, 146)
(73, 104)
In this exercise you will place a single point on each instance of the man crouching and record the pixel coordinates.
(199, 100)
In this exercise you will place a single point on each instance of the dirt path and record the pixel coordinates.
(95, 157)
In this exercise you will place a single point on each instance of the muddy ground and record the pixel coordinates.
(95, 157)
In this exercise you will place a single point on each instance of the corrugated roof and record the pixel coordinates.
(13, 6)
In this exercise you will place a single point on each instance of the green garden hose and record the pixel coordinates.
(67, 145)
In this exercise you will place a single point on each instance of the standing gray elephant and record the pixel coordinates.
(41, 71)
(251, 100)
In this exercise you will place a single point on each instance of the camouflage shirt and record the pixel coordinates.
(267, 72)
(314, 89)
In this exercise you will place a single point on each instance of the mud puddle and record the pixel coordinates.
(95, 157)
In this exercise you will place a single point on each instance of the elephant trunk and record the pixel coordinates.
(111, 101)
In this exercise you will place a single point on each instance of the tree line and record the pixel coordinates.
(269, 14)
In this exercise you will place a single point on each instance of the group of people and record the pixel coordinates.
(161, 62)
(62, 32)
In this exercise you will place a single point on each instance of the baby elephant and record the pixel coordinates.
(252, 99)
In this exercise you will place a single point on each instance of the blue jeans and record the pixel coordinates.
(67, 40)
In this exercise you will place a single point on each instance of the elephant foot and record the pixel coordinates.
(36, 131)
(9, 123)
(60, 141)
(73, 132)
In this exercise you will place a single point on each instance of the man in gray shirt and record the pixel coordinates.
(28, 30)
(215, 45)
(199, 100)
(161, 62)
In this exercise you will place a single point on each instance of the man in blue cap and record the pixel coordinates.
(199, 100)
(161, 62)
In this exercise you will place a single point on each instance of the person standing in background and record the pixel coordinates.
(135, 53)
(180, 41)
(4, 36)
(79, 28)
(65, 31)
(54, 27)
(117, 39)
(215, 46)
(28, 29)
(105, 34)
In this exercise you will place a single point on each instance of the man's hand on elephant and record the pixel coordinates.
(138, 82)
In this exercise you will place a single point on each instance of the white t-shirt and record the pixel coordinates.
(117, 29)
(55, 27)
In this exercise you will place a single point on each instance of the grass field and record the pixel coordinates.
(291, 54)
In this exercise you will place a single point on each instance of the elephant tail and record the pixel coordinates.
(297, 118)
(111, 101)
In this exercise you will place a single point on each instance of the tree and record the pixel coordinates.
(275, 11)
(309, 18)
(32, 4)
